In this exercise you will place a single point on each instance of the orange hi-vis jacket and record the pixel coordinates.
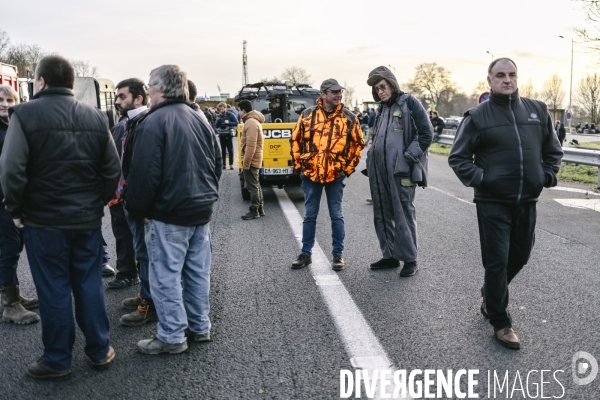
(325, 147)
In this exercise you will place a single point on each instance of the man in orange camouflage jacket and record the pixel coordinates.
(326, 146)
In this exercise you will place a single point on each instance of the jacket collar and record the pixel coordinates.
(3, 124)
(166, 103)
(53, 91)
(337, 109)
(504, 99)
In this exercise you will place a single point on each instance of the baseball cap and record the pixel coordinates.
(331, 84)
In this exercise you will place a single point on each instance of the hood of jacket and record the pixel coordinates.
(254, 114)
(378, 74)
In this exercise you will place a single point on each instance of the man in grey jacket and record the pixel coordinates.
(396, 164)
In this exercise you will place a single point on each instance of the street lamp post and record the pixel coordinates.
(394, 68)
(570, 112)
(491, 54)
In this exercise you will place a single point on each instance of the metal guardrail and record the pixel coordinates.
(574, 156)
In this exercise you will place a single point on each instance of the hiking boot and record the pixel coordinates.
(197, 337)
(132, 303)
(338, 263)
(157, 346)
(508, 338)
(386, 263)
(106, 362)
(409, 269)
(230, 166)
(302, 261)
(261, 211)
(27, 303)
(107, 270)
(13, 310)
(41, 371)
(145, 313)
(121, 283)
(252, 214)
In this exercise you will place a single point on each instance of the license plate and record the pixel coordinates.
(277, 171)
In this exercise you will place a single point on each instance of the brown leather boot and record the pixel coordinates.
(29, 304)
(13, 309)
(508, 338)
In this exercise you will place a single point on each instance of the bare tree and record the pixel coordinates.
(591, 9)
(587, 97)
(432, 80)
(481, 87)
(527, 90)
(83, 68)
(552, 93)
(296, 75)
(4, 43)
(348, 95)
(24, 56)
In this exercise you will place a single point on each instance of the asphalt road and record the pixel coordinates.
(274, 337)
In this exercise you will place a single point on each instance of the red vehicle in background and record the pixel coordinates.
(9, 75)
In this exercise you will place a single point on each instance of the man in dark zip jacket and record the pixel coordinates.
(172, 187)
(506, 149)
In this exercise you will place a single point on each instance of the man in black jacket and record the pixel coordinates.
(59, 168)
(172, 187)
(506, 149)
(130, 102)
(560, 132)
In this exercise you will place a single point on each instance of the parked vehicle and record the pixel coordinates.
(281, 104)
(9, 75)
(98, 93)
(451, 123)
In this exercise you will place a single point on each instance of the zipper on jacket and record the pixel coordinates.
(520, 150)
(328, 150)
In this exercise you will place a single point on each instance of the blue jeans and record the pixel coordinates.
(141, 254)
(312, 200)
(11, 246)
(64, 261)
(180, 259)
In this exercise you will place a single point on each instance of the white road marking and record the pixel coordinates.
(568, 189)
(592, 204)
(363, 347)
(451, 195)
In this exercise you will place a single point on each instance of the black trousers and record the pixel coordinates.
(507, 235)
(126, 266)
(226, 143)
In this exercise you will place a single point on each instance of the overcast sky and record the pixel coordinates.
(331, 39)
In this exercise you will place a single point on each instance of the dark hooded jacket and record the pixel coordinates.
(508, 141)
(405, 128)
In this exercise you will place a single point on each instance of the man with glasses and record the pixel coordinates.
(326, 146)
(397, 163)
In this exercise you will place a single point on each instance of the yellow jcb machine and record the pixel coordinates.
(281, 104)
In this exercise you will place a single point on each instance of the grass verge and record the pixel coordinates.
(578, 173)
(588, 145)
(568, 172)
(443, 149)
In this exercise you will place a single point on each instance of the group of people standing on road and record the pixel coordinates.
(159, 170)
(505, 149)
(159, 173)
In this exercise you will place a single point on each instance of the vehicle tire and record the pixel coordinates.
(245, 192)
(454, 127)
